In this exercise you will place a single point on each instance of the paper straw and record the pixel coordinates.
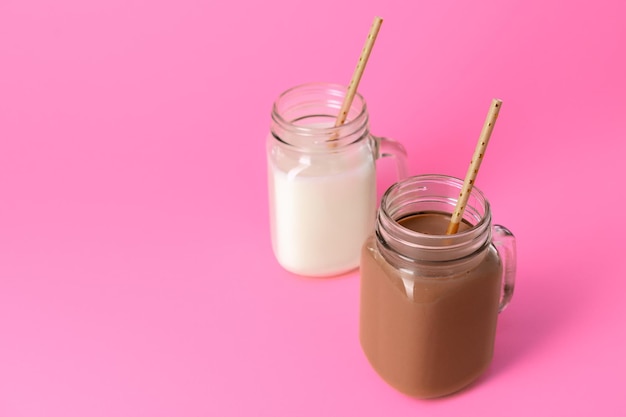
(472, 171)
(358, 72)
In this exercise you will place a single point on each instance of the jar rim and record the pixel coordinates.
(343, 133)
(419, 183)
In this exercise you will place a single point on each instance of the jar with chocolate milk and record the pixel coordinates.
(430, 301)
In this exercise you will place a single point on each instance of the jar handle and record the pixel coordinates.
(386, 148)
(504, 241)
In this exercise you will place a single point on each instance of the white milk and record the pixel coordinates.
(321, 212)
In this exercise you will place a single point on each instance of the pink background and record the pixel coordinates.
(136, 273)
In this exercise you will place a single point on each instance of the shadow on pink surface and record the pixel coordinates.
(541, 310)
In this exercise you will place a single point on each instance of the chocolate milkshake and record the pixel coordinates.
(429, 302)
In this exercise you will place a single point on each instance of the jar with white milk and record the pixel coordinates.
(322, 179)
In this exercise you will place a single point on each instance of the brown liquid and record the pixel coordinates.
(438, 339)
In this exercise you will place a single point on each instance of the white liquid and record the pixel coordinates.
(321, 213)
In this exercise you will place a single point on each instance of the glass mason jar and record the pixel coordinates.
(430, 301)
(322, 179)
